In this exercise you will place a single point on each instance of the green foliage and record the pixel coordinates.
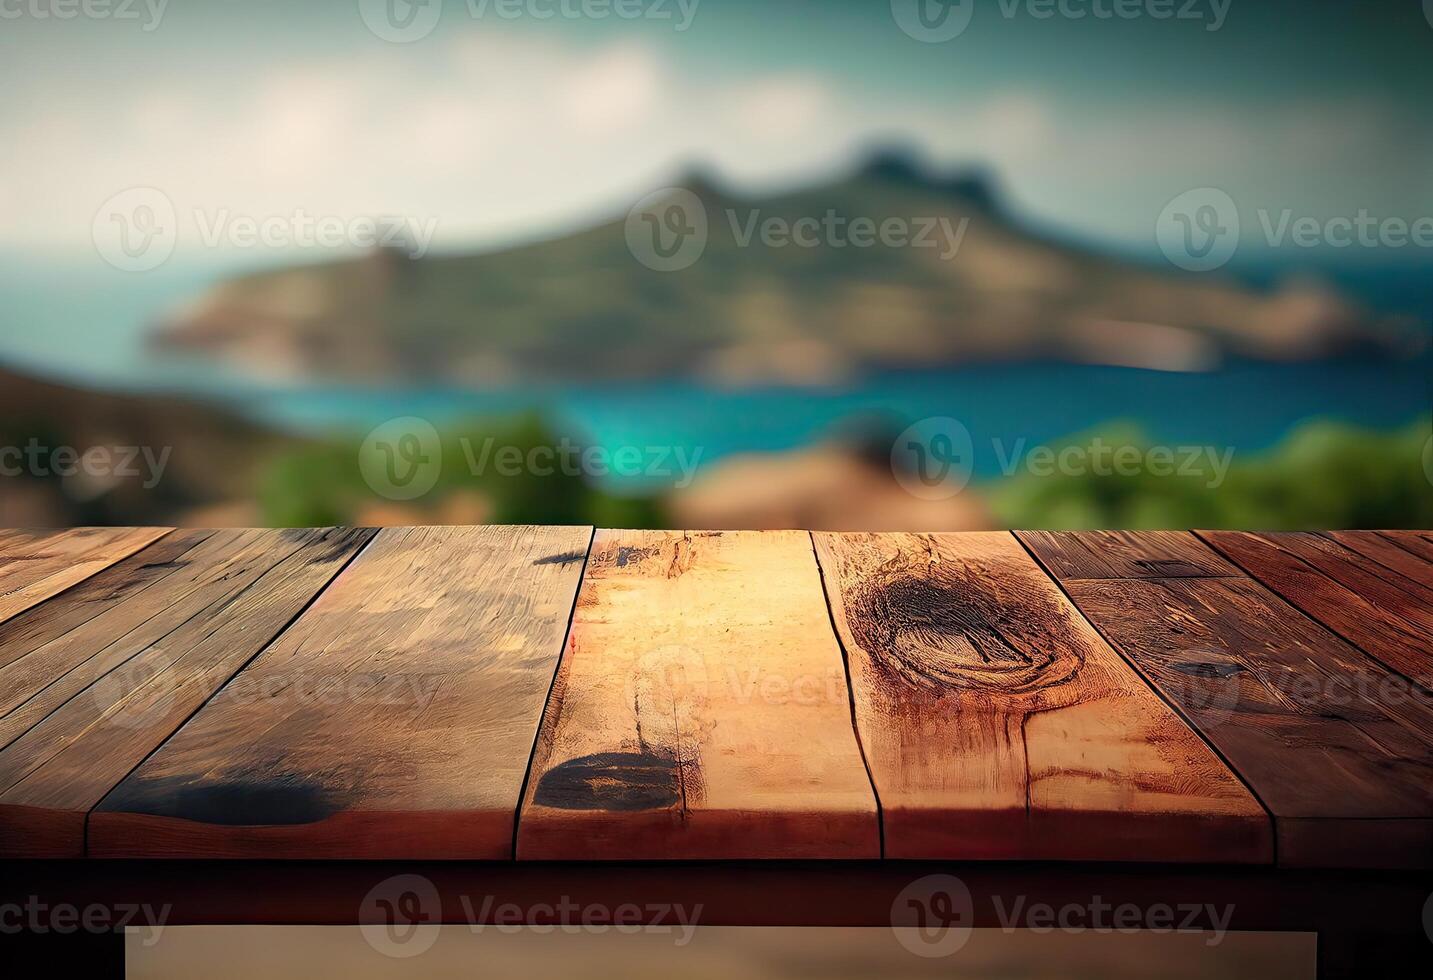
(321, 483)
(1325, 475)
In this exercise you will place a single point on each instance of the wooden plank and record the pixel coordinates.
(1126, 554)
(1419, 543)
(1359, 573)
(999, 725)
(59, 649)
(700, 710)
(35, 565)
(1414, 573)
(24, 634)
(1338, 748)
(174, 644)
(1386, 622)
(395, 719)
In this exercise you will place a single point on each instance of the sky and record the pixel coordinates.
(515, 119)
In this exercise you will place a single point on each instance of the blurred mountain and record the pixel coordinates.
(750, 310)
(159, 457)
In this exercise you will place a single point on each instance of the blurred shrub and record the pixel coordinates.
(1324, 475)
(321, 484)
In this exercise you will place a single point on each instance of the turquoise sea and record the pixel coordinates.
(91, 328)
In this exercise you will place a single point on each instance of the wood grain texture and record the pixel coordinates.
(700, 710)
(999, 725)
(1336, 587)
(1413, 573)
(394, 719)
(143, 665)
(1419, 543)
(1338, 748)
(1126, 554)
(35, 565)
(61, 648)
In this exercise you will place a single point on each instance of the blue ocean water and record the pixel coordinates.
(90, 325)
(1246, 407)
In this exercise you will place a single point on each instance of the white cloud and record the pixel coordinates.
(497, 138)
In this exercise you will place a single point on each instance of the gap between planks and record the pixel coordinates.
(850, 692)
(357, 552)
(551, 683)
(1149, 683)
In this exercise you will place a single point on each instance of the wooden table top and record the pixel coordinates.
(555, 693)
